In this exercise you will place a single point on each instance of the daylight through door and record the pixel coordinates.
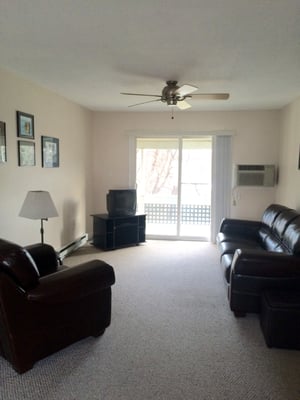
(174, 186)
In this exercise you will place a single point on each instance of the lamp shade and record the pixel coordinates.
(38, 204)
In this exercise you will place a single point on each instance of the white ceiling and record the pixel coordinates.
(91, 50)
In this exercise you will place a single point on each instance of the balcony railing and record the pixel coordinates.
(194, 214)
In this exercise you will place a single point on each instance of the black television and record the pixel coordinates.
(121, 202)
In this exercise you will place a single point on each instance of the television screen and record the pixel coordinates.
(121, 202)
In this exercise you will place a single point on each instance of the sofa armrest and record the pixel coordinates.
(262, 263)
(73, 283)
(44, 257)
(241, 227)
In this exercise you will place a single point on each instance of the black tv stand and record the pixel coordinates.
(112, 232)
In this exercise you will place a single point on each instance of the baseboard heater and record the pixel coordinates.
(69, 248)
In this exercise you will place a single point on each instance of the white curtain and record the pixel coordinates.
(221, 181)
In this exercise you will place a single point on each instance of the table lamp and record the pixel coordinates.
(38, 204)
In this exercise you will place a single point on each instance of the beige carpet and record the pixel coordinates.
(172, 337)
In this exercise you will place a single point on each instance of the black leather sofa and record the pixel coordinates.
(45, 307)
(260, 255)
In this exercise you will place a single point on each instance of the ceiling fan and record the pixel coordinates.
(174, 95)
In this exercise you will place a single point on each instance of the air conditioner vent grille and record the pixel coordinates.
(255, 175)
(251, 167)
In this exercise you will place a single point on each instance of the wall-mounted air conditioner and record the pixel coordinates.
(254, 175)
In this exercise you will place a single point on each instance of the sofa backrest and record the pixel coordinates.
(269, 218)
(283, 235)
(279, 219)
(282, 222)
(271, 213)
(291, 237)
(17, 263)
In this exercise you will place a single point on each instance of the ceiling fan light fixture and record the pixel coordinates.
(172, 102)
(183, 105)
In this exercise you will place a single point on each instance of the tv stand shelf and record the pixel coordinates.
(118, 231)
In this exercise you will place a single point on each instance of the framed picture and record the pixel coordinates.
(50, 152)
(299, 159)
(26, 153)
(25, 125)
(3, 156)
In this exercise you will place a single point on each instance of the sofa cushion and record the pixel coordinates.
(227, 237)
(263, 233)
(291, 237)
(271, 213)
(273, 221)
(282, 222)
(18, 264)
(230, 247)
(272, 243)
(271, 238)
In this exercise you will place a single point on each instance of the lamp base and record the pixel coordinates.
(42, 229)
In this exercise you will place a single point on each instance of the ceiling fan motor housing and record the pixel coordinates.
(169, 93)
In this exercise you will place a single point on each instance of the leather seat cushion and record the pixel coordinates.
(227, 237)
(230, 247)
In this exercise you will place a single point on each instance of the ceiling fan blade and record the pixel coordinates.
(184, 90)
(142, 94)
(213, 96)
(183, 105)
(145, 102)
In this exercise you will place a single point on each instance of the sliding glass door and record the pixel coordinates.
(195, 184)
(174, 185)
(157, 162)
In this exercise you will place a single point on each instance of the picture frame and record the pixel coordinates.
(25, 125)
(50, 152)
(299, 158)
(26, 153)
(3, 150)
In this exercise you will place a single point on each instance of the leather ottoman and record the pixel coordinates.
(280, 319)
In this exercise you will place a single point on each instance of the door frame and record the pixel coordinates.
(221, 198)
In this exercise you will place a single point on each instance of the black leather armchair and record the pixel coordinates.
(43, 307)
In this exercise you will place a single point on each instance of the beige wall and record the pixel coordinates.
(288, 192)
(68, 184)
(255, 140)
